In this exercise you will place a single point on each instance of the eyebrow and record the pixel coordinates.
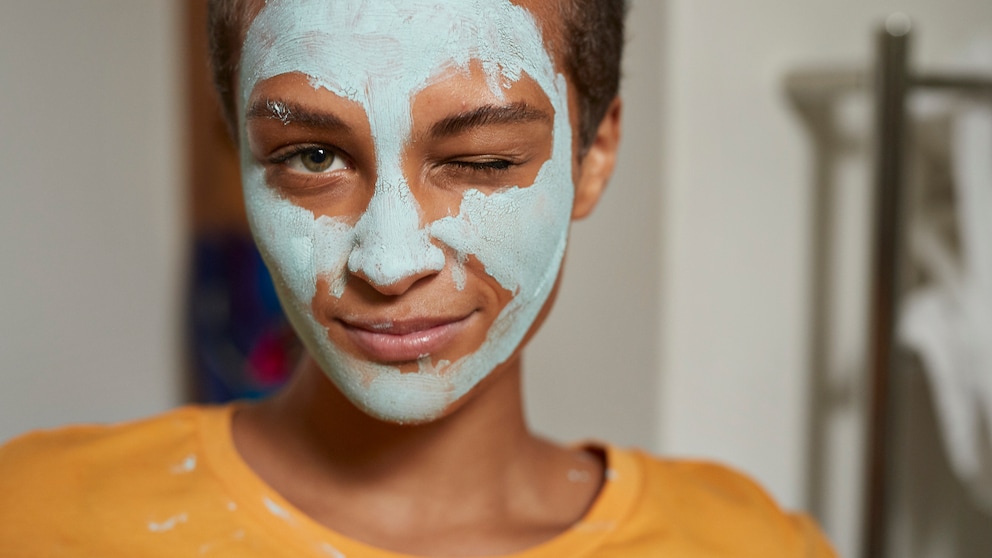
(288, 112)
(486, 115)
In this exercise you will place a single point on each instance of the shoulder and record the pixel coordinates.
(53, 477)
(698, 504)
(706, 486)
(90, 444)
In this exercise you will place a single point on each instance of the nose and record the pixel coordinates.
(394, 288)
(392, 251)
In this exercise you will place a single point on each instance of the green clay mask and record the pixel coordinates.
(380, 55)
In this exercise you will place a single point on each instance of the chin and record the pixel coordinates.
(396, 397)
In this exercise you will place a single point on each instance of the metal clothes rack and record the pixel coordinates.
(894, 81)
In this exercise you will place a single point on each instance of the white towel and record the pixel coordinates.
(949, 322)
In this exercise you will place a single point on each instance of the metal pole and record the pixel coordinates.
(890, 137)
(966, 84)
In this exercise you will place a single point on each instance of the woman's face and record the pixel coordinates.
(407, 168)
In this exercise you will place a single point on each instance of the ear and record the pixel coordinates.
(596, 166)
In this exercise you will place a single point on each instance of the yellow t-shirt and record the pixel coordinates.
(174, 486)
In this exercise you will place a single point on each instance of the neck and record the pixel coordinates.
(476, 469)
(484, 440)
(489, 428)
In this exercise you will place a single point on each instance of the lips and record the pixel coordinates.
(406, 340)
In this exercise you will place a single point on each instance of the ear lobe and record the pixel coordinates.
(597, 166)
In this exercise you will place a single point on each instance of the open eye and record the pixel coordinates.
(315, 160)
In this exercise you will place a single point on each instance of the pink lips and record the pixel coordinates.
(403, 341)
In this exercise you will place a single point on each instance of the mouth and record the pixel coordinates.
(405, 340)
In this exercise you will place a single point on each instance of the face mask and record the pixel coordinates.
(380, 55)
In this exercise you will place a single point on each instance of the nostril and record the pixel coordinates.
(393, 265)
(398, 287)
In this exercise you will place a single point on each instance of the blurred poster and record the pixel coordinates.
(239, 344)
(243, 345)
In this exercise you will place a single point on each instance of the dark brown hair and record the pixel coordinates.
(592, 31)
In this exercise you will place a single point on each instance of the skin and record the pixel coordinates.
(482, 484)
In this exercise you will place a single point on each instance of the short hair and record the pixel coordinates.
(592, 33)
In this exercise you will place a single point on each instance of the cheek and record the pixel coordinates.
(297, 248)
(323, 303)
(333, 241)
(284, 234)
(529, 226)
(517, 233)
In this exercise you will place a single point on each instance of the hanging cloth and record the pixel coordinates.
(948, 323)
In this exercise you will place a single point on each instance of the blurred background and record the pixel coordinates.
(716, 305)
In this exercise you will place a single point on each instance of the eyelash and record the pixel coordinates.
(298, 151)
(493, 167)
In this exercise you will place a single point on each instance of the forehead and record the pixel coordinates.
(548, 13)
(396, 42)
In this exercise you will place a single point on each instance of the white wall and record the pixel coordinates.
(736, 229)
(91, 183)
(592, 371)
